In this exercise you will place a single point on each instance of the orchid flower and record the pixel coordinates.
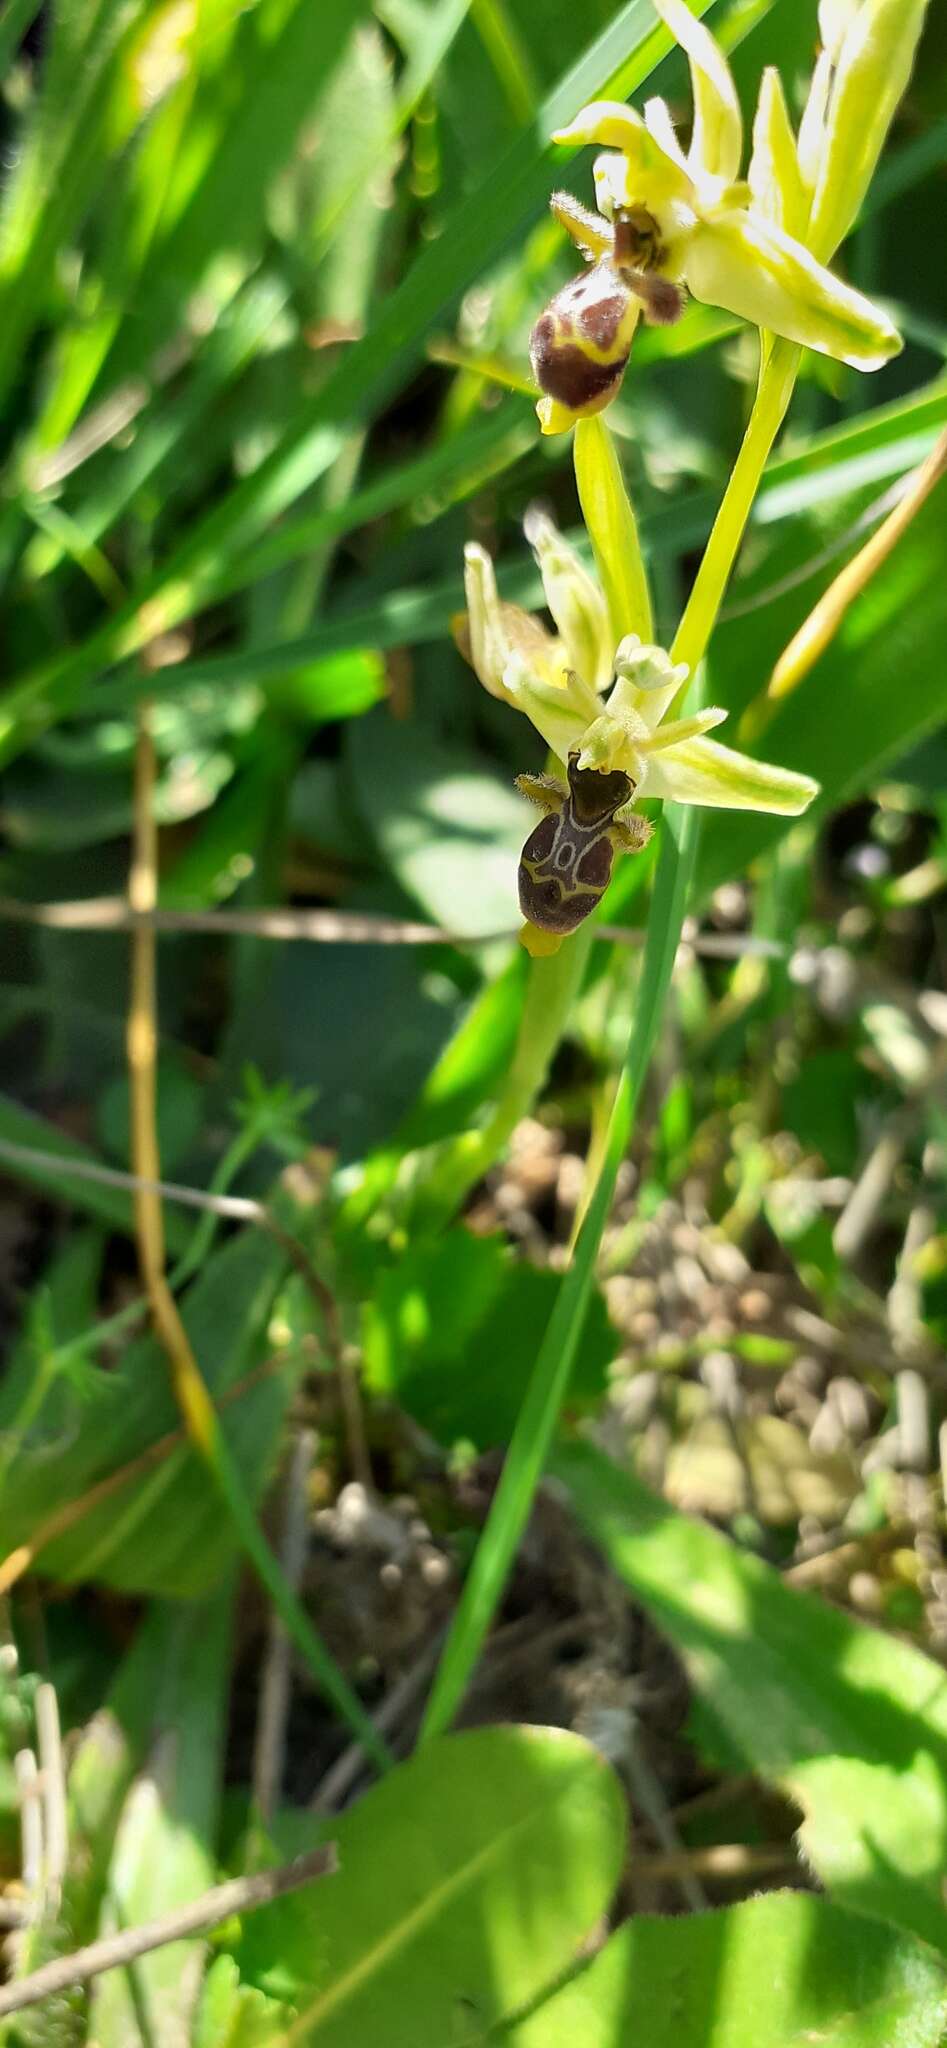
(603, 707)
(758, 248)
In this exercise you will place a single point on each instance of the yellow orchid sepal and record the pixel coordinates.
(871, 46)
(758, 249)
(748, 265)
(774, 177)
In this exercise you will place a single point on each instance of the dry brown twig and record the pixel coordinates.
(116, 1951)
(328, 927)
(270, 1737)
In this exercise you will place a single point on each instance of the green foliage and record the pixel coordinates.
(795, 1968)
(852, 1723)
(451, 1333)
(420, 1937)
(259, 266)
(161, 1529)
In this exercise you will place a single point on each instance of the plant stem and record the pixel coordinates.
(778, 373)
(553, 983)
(549, 1380)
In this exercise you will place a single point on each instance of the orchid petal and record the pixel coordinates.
(872, 66)
(812, 125)
(491, 632)
(775, 183)
(641, 173)
(659, 124)
(741, 262)
(588, 230)
(677, 730)
(717, 141)
(701, 771)
(575, 601)
(561, 712)
(648, 681)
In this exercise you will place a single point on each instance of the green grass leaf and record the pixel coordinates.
(162, 1530)
(549, 1380)
(478, 232)
(164, 1850)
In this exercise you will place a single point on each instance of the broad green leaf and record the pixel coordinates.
(162, 1530)
(783, 1971)
(450, 1332)
(163, 1854)
(852, 1724)
(449, 832)
(234, 2015)
(467, 1880)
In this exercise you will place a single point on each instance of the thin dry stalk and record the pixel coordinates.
(142, 1042)
(329, 927)
(116, 1951)
(826, 617)
(270, 1741)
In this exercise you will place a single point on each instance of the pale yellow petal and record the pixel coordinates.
(873, 63)
(717, 142)
(643, 173)
(741, 262)
(701, 771)
(575, 600)
(560, 712)
(676, 730)
(774, 177)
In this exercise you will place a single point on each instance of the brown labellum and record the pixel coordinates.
(566, 863)
(579, 346)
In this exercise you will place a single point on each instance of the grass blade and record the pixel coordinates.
(549, 1381)
(475, 236)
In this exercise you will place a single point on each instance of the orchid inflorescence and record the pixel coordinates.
(604, 698)
(757, 248)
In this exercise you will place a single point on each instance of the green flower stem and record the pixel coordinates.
(549, 1380)
(552, 986)
(777, 377)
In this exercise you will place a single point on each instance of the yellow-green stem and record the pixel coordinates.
(553, 983)
(777, 377)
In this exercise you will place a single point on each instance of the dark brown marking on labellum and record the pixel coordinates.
(600, 319)
(579, 346)
(567, 860)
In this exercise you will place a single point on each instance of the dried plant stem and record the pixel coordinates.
(141, 1040)
(826, 617)
(328, 927)
(116, 1951)
(270, 1739)
(194, 1402)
